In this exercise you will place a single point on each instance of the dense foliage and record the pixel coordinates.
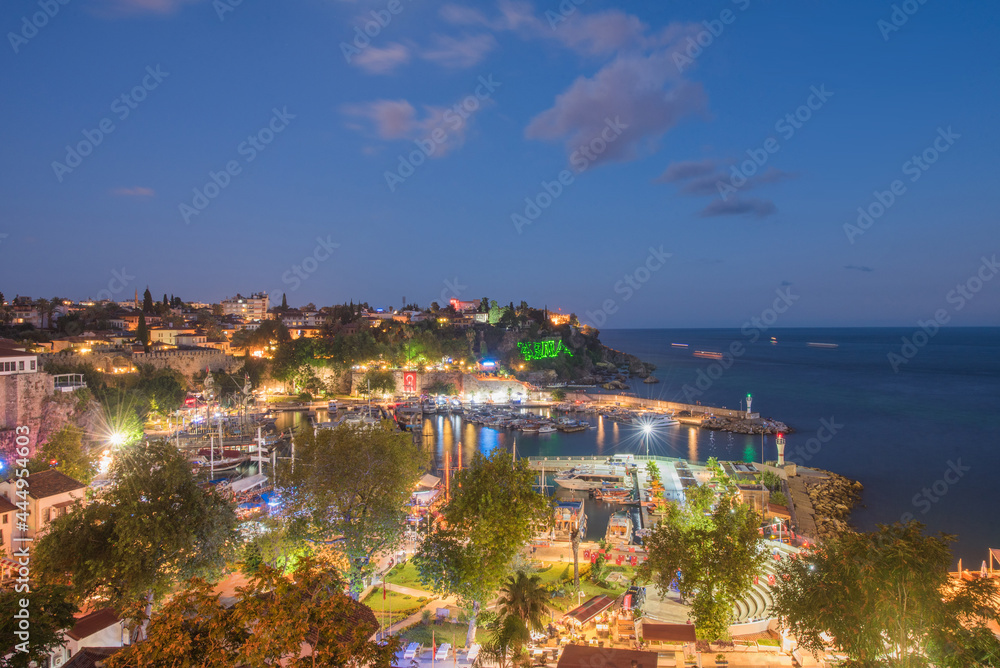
(886, 600)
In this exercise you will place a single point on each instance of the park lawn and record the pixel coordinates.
(559, 575)
(446, 632)
(405, 575)
(397, 606)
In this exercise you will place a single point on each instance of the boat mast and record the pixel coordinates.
(211, 456)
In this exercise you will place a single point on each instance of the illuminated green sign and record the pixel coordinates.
(540, 350)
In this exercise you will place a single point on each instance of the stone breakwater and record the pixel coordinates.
(741, 425)
(832, 498)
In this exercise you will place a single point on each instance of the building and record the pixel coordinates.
(169, 335)
(8, 567)
(461, 306)
(191, 338)
(581, 656)
(50, 494)
(96, 634)
(253, 307)
(17, 360)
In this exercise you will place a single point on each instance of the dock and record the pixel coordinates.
(566, 463)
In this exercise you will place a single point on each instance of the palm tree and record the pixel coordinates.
(575, 538)
(523, 597)
(506, 646)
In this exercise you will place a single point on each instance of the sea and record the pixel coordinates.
(920, 430)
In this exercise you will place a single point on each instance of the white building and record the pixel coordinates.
(16, 360)
(253, 307)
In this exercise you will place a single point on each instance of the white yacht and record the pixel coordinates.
(655, 419)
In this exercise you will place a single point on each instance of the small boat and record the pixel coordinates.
(679, 345)
(546, 429)
(708, 354)
(224, 460)
(823, 345)
(619, 529)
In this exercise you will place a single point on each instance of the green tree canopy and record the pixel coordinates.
(50, 612)
(152, 527)
(886, 599)
(716, 559)
(493, 513)
(65, 448)
(302, 620)
(352, 483)
(378, 381)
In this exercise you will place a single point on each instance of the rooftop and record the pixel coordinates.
(44, 484)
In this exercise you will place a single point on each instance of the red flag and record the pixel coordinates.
(383, 590)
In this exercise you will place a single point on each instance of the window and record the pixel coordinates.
(6, 519)
(32, 365)
(20, 365)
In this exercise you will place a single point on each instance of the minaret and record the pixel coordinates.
(781, 449)
(749, 401)
(136, 302)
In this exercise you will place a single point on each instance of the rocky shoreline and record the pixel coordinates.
(833, 497)
(745, 426)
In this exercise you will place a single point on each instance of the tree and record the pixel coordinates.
(142, 332)
(147, 301)
(153, 527)
(713, 561)
(353, 483)
(494, 512)
(194, 625)
(273, 619)
(508, 637)
(283, 614)
(49, 613)
(522, 596)
(575, 538)
(886, 599)
(378, 381)
(65, 448)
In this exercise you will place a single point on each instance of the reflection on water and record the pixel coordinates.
(462, 440)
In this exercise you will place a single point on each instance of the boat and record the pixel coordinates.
(224, 460)
(611, 494)
(595, 476)
(655, 419)
(619, 529)
(823, 345)
(546, 429)
(572, 428)
(332, 406)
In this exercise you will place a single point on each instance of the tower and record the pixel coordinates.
(781, 449)
(749, 401)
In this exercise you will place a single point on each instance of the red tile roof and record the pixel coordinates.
(582, 656)
(90, 624)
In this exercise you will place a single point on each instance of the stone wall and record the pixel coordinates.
(465, 384)
(27, 400)
(655, 404)
(187, 362)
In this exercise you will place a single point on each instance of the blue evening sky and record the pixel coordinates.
(676, 123)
